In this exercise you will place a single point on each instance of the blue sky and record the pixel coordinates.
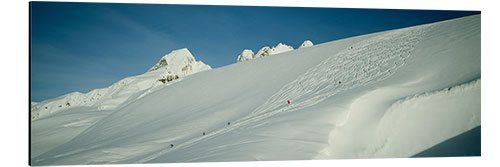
(84, 46)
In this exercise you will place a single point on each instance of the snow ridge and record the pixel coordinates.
(248, 54)
(172, 66)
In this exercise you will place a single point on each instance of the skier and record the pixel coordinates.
(288, 101)
(171, 145)
(228, 123)
(203, 133)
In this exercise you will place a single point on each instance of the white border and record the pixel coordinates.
(14, 79)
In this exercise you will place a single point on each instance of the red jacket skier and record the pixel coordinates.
(288, 101)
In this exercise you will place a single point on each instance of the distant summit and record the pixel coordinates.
(306, 43)
(280, 48)
(248, 54)
(179, 62)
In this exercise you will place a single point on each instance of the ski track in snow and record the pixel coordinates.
(363, 63)
(360, 64)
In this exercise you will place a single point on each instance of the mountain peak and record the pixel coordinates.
(248, 54)
(176, 57)
(280, 48)
(306, 44)
(179, 63)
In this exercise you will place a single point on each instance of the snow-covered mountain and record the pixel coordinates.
(248, 54)
(175, 65)
(180, 62)
(395, 93)
(306, 43)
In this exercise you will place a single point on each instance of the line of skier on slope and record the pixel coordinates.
(228, 124)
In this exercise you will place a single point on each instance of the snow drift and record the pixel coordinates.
(391, 94)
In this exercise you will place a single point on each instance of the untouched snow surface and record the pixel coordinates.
(389, 94)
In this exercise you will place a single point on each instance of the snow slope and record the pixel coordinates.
(389, 94)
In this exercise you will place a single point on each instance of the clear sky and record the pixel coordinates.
(84, 46)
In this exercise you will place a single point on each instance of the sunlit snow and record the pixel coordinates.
(388, 94)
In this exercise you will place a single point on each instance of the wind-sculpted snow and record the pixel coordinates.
(391, 141)
(406, 126)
